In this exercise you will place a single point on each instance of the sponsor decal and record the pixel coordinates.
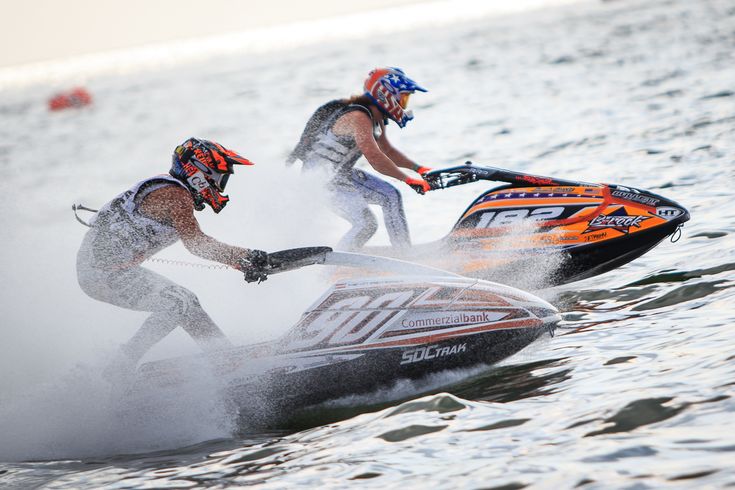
(450, 320)
(636, 197)
(203, 156)
(554, 238)
(431, 352)
(547, 238)
(617, 220)
(595, 236)
(354, 315)
(668, 212)
(535, 180)
(198, 181)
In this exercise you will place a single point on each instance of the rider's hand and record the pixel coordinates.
(422, 170)
(419, 185)
(254, 266)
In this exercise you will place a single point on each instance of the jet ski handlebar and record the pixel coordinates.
(282, 261)
(296, 258)
(467, 173)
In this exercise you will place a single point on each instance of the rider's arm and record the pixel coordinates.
(360, 126)
(395, 155)
(175, 204)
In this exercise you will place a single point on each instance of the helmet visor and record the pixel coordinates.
(403, 100)
(220, 181)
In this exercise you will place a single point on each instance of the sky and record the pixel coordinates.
(40, 30)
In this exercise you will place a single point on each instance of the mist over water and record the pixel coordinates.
(633, 390)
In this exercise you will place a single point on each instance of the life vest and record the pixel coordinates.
(320, 147)
(122, 235)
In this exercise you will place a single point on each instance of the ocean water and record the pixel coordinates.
(634, 391)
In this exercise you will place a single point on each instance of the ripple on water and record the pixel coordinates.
(684, 294)
(639, 413)
(409, 432)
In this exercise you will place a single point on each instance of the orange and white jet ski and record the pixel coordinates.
(587, 228)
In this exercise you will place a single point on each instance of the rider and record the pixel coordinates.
(341, 131)
(150, 216)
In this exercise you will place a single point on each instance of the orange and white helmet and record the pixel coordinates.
(390, 88)
(205, 167)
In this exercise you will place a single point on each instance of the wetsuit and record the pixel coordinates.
(352, 190)
(108, 269)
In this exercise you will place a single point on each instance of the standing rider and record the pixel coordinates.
(154, 214)
(341, 131)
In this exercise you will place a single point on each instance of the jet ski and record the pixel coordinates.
(588, 228)
(366, 334)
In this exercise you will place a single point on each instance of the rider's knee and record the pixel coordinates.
(393, 194)
(392, 198)
(180, 300)
(368, 223)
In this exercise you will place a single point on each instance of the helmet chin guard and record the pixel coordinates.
(204, 167)
(387, 88)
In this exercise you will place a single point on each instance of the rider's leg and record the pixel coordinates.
(152, 331)
(140, 289)
(350, 205)
(177, 307)
(377, 191)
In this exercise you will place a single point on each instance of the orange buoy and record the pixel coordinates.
(77, 97)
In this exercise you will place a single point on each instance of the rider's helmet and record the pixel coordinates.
(389, 89)
(204, 167)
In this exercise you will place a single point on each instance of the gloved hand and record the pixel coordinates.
(422, 170)
(254, 266)
(419, 185)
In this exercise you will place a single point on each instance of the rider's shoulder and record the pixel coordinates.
(170, 194)
(353, 124)
(166, 202)
(358, 115)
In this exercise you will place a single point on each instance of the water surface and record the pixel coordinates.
(634, 391)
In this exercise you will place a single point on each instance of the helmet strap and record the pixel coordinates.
(198, 200)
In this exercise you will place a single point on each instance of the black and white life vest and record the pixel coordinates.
(124, 236)
(320, 147)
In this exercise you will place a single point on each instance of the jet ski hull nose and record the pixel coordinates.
(361, 336)
(384, 368)
(582, 230)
